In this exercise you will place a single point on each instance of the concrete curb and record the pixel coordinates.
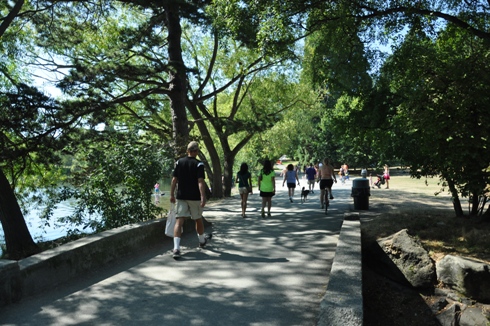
(10, 282)
(342, 303)
(53, 267)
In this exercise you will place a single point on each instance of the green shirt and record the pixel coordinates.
(266, 184)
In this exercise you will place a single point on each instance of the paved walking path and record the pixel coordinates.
(254, 271)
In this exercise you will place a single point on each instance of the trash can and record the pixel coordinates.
(364, 173)
(361, 193)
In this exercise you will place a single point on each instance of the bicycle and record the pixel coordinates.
(326, 201)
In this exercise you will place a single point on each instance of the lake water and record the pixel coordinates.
(42, 232)
(39, 230)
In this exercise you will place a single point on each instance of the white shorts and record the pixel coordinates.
(188, 208)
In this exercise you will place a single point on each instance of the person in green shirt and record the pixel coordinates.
(267, 186)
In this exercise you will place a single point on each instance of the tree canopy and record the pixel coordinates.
(138, 79)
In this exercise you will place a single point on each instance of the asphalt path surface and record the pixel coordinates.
(254, 271)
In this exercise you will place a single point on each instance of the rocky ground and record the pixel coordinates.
(388, 303)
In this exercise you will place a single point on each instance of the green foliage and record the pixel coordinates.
(428, 109)
(112, 182)
(32, 128)
(446, 87)
(427, 106)
(336, 63)
(295, 134)
(335, 60)
(260, 25)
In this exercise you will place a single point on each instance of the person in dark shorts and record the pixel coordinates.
(326, 176)
(291, 177)
(244, 180)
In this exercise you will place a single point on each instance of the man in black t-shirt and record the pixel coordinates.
(188, 180)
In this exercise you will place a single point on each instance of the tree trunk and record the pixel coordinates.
(215, 164)
(178, 79)
(230, 156)
(228, 174)
(17, 237)
(456, 202)
(7, 20)
(217, 181)
(475, 204)
(486, 215)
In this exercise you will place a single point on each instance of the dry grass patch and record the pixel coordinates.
(411, 204)
(440, 234)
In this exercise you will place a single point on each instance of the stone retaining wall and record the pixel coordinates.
(53, 267)
(342, 303)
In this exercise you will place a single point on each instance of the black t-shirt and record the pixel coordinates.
(188, 170)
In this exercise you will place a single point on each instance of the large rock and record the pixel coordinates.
(468, 276)
(472, 316)
(453, 309)
(449, 316)
(411, 258)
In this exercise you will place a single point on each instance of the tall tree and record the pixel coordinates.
(177, 84)
(235, 94)
(9, 18)
(138, 80)
(336, 63)
(33, 127)
(443, 89)
(429, 105)
(275, 22)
